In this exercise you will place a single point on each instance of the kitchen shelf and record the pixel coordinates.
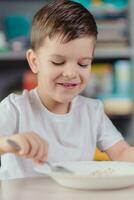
(100, 53)
(13, 55)
(113, 53)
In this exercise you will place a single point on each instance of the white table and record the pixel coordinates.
(45, 188)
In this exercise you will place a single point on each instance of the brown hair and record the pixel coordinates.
(69, 19)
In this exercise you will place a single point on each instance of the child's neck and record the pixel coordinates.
(59, 108)
(53, 106)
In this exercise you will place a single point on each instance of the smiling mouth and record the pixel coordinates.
(69, 85)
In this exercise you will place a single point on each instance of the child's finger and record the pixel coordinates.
(43, 148)
(34, 146)
(42, 160)
(24, 144)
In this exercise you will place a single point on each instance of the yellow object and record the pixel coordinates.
(97, 2)
(100, 156)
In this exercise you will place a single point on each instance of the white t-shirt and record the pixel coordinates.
(71, 136)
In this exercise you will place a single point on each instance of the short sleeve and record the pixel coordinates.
(107, 135)
(8, 117)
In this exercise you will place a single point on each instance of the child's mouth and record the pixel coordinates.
(68, 85)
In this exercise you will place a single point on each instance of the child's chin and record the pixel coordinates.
(66, 99)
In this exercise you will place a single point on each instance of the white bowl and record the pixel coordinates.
(93, 174)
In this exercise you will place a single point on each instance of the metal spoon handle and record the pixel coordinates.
(14, 144)
(49, 164)
(58, 168)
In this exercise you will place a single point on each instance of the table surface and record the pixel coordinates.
(45, 188)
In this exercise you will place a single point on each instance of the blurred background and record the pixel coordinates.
(112, 79)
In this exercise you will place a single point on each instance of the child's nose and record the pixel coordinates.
(70, 73)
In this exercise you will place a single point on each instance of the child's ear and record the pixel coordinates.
(32, 60)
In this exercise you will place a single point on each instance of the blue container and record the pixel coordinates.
(85, 3)
(17, 26)
(123, 77)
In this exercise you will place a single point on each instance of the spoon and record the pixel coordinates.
(54, 168)
(58, 168)
(13, 144)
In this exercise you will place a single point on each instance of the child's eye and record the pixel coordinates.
(84, 66)
(58, 63)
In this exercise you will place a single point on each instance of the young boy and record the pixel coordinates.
(52, 122)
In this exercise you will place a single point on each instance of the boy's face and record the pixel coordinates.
(63, 68)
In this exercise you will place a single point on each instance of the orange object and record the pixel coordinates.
(100, 156)
(29, 80)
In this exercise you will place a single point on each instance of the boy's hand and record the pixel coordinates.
(31, 144)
